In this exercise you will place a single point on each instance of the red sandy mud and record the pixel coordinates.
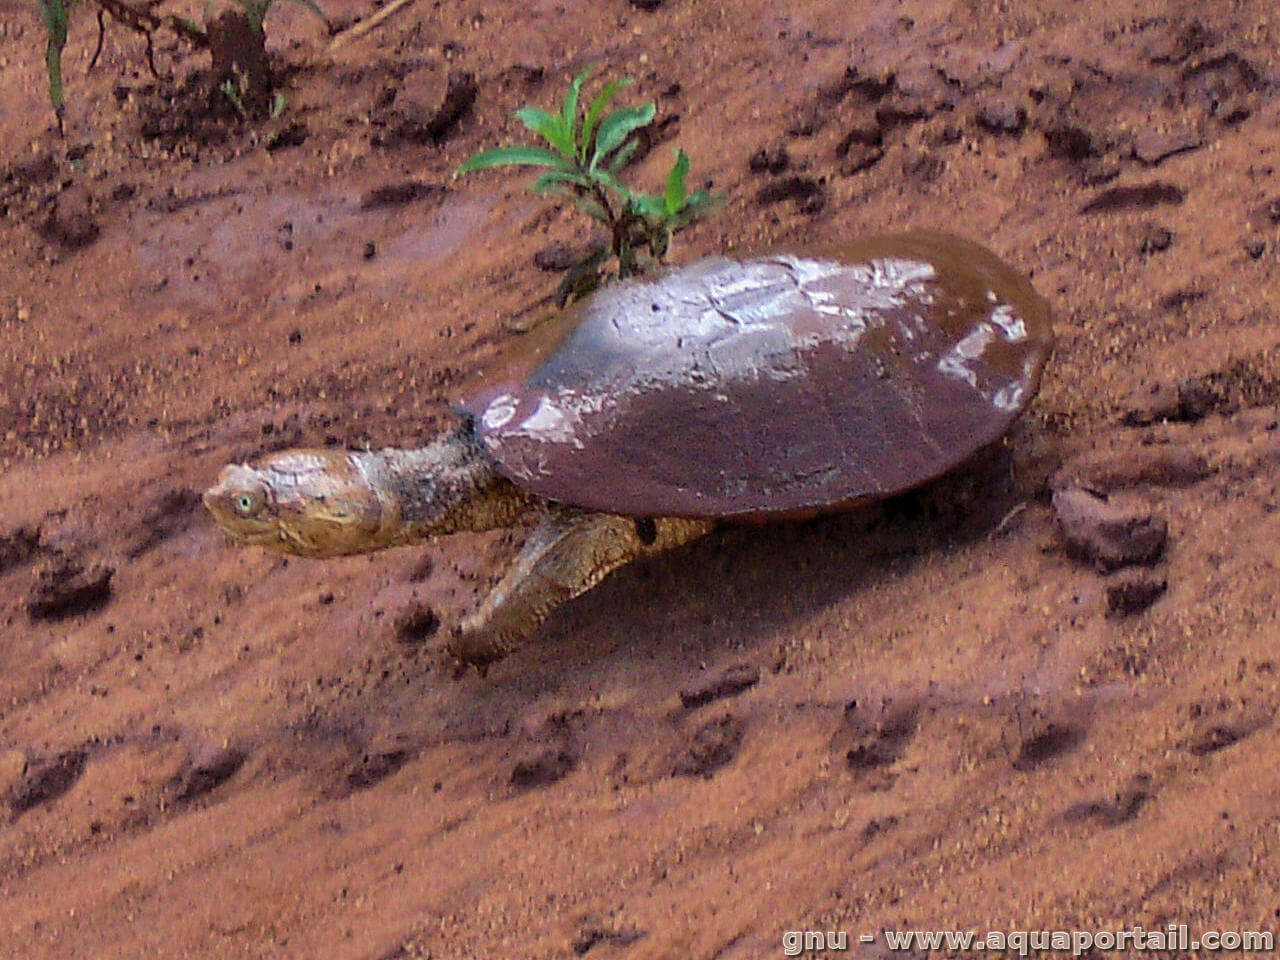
(934, 714)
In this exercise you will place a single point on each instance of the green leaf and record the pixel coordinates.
(229, 91)
(698, 203)
(55, 16)
(517, 156)
(569, 112)
(597, 108)
(549, 126)
(649, 207)
(255, 11)
(623, 155)
(591, 208)
(616, 127)
(609, 181)
(659, 240)
(674, 197)
(554, 178)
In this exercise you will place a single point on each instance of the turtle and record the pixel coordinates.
(774, 386)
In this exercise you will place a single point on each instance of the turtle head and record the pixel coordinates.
(329, 503)
(312, 503)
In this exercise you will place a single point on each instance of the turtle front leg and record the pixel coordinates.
(565, 556)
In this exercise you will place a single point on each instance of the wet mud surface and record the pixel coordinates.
(944, 711)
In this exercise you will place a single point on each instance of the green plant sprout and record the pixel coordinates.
(240, 63)
(56, 17)
(238, 49)
(588, 149)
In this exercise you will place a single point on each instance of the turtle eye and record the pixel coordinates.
(246, 504)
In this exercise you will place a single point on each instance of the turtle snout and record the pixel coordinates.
(239, 503)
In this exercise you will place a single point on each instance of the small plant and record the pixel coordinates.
(56, 17)
(238, 50)
(237, 45)
(588, 149)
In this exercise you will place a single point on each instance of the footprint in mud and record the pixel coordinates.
(1218, 733)
(46, 779)
(713, 745)
(543, 767)
(168, 513)
(371, 769)
(205, 776)
(416, 623)
(67, 587)
(874, 737)
(729, 682)
(1046, 742)
(592, 933)
(1121, 808)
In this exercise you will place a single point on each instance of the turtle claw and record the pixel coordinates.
(472, 646)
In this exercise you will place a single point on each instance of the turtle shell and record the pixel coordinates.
(786, 383)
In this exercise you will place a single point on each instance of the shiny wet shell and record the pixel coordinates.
(785, 383)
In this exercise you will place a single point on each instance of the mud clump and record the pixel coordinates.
(713, 745)
(67, 588)
(294, 135)
(771, 160)
(1108, 532)
(542, 768)
(1224, 87)
(1002, 117)
(557, 257)
(1153, 146)
(17, 180)
(46, 779)
(1184, 402)
(809, 194)
(18, 546)
(415, 126)
(729, 682)
(860, 149)
(1124, 464)
(1068, 141)
(1154, 239)
(1135, 197)
(1134, 592)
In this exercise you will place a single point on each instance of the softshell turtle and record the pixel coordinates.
(775, 386)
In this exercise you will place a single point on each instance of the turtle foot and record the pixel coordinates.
(473, 646)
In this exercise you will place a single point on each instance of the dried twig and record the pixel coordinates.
(357, 30)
